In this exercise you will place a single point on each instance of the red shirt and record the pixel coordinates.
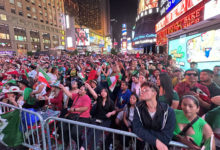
(58, 101)
(183, 87)
(82, 101)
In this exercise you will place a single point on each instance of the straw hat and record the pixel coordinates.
(14, 89)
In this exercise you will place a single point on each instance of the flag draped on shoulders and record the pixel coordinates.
(10, 131)
(43, 77)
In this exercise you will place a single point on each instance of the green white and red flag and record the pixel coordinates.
(43, 77)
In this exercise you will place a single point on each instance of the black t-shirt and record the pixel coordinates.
(99, 111)
(214, 89)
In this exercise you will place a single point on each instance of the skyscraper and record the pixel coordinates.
(31, 25)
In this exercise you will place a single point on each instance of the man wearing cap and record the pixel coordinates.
(200, 91)
(96, 88)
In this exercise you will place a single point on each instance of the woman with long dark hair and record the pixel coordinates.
(101, 114)
(167, 94)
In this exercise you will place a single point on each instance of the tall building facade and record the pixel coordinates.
(31, 25)
(91, 17)
(94, 14)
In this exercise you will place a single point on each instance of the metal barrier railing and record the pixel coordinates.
(32, 126)
(59, 131)
(87, 129)
(65, 126)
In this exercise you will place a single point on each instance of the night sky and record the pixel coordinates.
(124, 11)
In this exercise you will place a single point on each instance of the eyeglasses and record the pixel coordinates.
(194, 74)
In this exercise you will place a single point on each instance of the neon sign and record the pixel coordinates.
(176, 12)
(189, 19)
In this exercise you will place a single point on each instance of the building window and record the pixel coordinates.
(4, 36)
(35, 17)
(19, 4)
(33, 2)
(12, 1)
(3, 17)
(39, 5)
(45, 14)
(28, 8)
(20, 38)
(13, 11)
(29, 15)
(40, 12)
(20, 13)
(33, 10)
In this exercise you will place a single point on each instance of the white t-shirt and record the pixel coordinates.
(32, 74)
(53, 78)
(135, 87)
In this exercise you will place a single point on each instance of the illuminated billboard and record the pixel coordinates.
(147, 4)
(82, 37)
(212, 8)
(176, 12)
(167, 5)
(202, 48)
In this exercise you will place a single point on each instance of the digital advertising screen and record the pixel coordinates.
(203, 48)
(147, 4)
(82, 37)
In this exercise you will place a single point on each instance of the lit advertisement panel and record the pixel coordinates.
(176, 12)
(191, 17)
(202, 48)
(82, 37)
(167, 5)
(212, 8)
(147, 4)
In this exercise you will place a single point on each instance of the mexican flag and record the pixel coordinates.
(26, 74)
(43, 77)
(112, 81)
(82, 76)
(10, 133)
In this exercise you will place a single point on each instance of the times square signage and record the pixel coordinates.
(192, 17)
(167, 5)
(180, 9)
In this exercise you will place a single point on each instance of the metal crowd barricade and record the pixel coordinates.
(32, 127)
(56, 141)
(35, 138)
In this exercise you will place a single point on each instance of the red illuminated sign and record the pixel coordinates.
(176, 12)
(188, 19)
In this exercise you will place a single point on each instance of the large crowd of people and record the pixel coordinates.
(145, 94)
